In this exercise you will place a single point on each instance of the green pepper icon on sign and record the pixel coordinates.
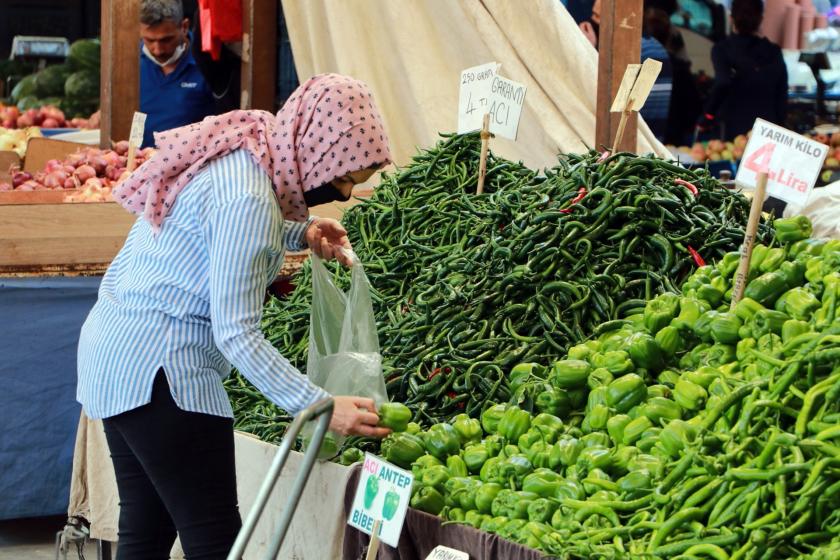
(389, 507)
(371, 489)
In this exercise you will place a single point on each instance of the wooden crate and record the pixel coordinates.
(43, 236)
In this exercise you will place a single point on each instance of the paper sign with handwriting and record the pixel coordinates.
(792, 162)
(506, 100)
(474, 96)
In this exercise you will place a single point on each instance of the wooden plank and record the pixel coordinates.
(40, 150)
(35, 197)
(62, 234)
(7, 160)
(619, 44)
(259, 54)
(119, 89)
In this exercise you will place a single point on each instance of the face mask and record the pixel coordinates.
(179, 51)
(323, 195)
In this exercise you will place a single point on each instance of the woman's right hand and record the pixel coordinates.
(356, 416)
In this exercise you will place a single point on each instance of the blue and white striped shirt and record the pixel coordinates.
(190, 301)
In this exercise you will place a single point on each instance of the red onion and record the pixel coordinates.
(121, 147)
(71, 183)
(24, 121)
(20, 177)
(50, 122)
(5, 187)
(85, 172)
(98, 163)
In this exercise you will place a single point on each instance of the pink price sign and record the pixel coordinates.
(791, 161)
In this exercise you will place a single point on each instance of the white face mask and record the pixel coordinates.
(179, 51)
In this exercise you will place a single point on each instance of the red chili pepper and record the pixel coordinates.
(581, 193)
(604, 155)
(451, 394)
(435, 372)
(698, 260)
(687, 185)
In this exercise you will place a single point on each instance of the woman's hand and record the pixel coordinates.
(356, 416)
(327, 237)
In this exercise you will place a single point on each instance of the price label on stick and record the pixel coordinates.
(381, 499)
(792, 162)
(474, 96)
(138, 128)
(441, 552)
(506, 100)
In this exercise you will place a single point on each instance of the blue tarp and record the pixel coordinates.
(39, 330)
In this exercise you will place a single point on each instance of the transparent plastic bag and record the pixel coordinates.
(344, 356)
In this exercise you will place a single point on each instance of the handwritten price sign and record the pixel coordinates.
(792, 162)
(474, 95)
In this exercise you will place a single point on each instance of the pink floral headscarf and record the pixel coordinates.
(329, 127)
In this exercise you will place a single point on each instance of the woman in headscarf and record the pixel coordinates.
(220, 201)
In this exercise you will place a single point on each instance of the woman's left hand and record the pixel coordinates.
(327, 237)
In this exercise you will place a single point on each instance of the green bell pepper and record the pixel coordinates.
(423, 462)
(623, 455)
(767, 288)
(553, 401)
(729, 264)
(427, 499)
(475, 456)
(747, 308)
(394, 415)
(541, 510)
(768, 321)
(442, 440)
(352, 455)
(529, 438)
(542, 482)
(456, 466)
(596, 418)
(579, 352)
(618, 362)
(660, 311)
(634, 429)
(453, 488)
(724, 328)
(703, 325)
(712, 295)
(801, 304)
(474, 519)
(594, 458)
(493, 524)
(548, 424)
(501, 504)
(468, 492)
(615, 427)
(491, 417)
(773, 259)
(669, 341)
(435, 476)
(650, 437)
(390, 505)
(404, 449)
(514, 469)
(569, 374)
(538, 454)
(650, 463)
(494, 444)
(468, 429)
(635, 483)
(484, 496)
(758, 253)
(625, 392)
(689, 395)
(454, 514)
(690, 311)
(596, 480)
(509, 450)
(413, 428)
(793, 272)
(510, 528)
(523, 373)
(596, 396)
(371, 490)
(599, 377)
(596, 439)
(490, 470)
(568, 488)
(658, 409)
(795, 228)
(669, 377)
(514, 423)
(676, 436)
(521, 501)
(565, 452)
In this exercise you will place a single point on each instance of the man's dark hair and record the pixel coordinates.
(154, 12)
(747, 15)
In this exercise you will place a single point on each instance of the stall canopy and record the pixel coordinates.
(411, 54)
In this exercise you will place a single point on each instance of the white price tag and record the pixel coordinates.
(623, 95)
(644, 83)
(382, 494)
(441, 552)
(506, 100)
(474, 96)
(792, 162)
(138, 127)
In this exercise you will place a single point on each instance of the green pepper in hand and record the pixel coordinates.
(394, 415)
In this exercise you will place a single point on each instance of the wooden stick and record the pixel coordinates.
(373, 547)
(485, 146)
(131, 163)
(749, 239)
(622, 124)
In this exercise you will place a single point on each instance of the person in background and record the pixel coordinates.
(657, 106)
(173, 90)
(686, 104)
(750, 76)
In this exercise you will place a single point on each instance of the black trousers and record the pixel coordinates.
(175, 471)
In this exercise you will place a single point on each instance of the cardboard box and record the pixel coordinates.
(7, 160)
(40, 150)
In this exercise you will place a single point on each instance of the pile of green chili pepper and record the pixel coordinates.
(468, 285)
(687, 430)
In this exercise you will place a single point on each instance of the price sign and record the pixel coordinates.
(506, 100)
(382, 495)
(441, 552)
(792, 162)
(138, 127)
(474, 95)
